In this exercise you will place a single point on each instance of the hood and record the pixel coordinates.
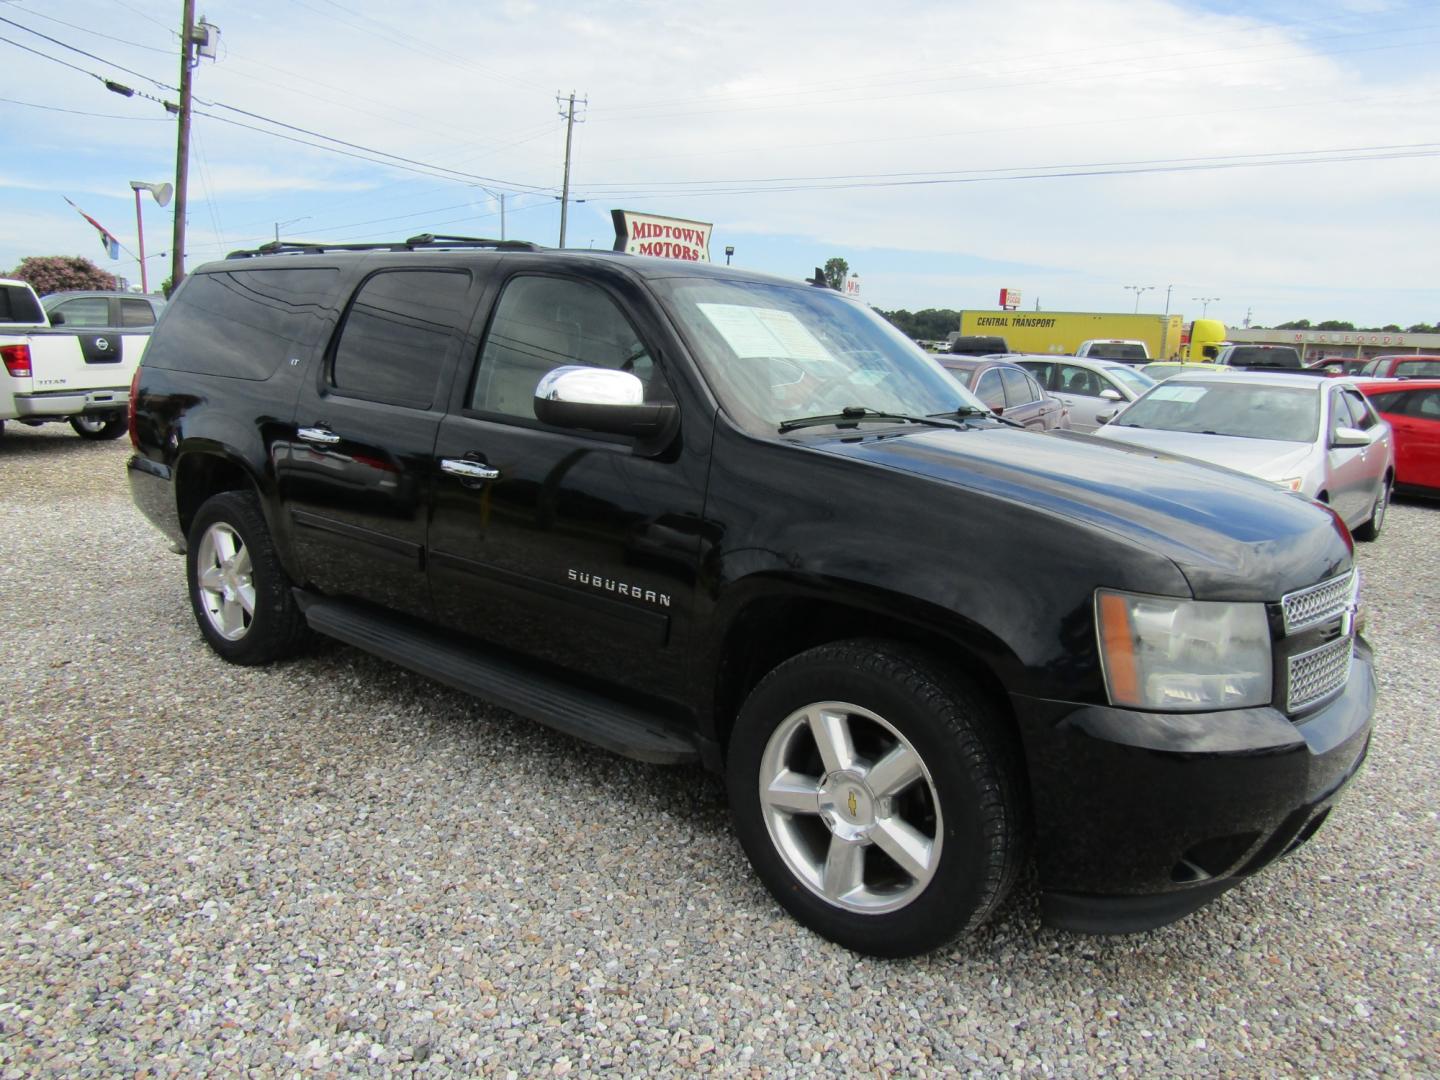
(1269, 459)
(1231, 536)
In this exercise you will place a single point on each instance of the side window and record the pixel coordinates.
(542, 323)
(1078, 380)
(1360, 414)
(85, 311)
(244, 324)
(397, 334)
(1425, 403)
(1371, 368)
(989, 390)
(1045, 375)
(1393, 402)
(1020, 389)
(136, 312)
(1418, 369)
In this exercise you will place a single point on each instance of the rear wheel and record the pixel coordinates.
(1371, 529)
(99, 425)
(238, 590)
(874, 797)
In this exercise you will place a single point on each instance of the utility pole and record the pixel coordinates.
(195, 42)
(182, 148)
(569, 115)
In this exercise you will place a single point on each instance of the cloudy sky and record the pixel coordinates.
(1280, 158)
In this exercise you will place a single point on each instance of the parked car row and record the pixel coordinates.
(1348, 444)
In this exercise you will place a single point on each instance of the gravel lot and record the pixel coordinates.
(330, 865)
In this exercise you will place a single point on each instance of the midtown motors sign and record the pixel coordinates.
(667, 237)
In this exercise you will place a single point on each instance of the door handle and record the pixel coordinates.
(318, 435)
(468, 470)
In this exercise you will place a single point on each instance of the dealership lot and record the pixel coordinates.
(332, 864)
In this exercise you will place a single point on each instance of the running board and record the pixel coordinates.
(522, 688)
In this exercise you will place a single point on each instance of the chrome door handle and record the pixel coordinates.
(470, 470)
(318, 435)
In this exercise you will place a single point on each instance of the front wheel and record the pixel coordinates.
(238, 590)
(1371, 529)
(99, 425)
(873, 793)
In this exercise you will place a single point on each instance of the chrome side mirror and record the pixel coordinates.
(599, 399)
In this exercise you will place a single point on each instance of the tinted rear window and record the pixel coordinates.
(1116, 350)
(243, 323)
(1243, 356)
(18, 305)
(398, 334)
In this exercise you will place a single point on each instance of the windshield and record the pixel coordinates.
(773, 353)
(1135, 380)
(1246, 411)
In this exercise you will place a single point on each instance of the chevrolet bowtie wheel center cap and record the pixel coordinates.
(847, 805)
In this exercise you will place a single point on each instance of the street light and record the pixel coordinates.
(501, 196)
(729, 250)
(1137, 290)
(1204, 302)
(292, 221)
(162, 193)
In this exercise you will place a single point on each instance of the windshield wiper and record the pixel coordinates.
(854, 414)
(970, 411)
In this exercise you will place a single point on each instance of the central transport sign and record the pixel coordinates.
(667, 237)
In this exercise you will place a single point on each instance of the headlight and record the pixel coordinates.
(1167, 654)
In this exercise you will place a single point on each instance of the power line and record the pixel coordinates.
(78, 112)
(939, 173)
(436, 171)
(97, 33)
(82, 52)
(941, 181)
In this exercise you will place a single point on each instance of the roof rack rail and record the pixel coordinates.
(414, 243)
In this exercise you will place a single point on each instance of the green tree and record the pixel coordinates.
(835, 271)
(1298, 324)
(1334, 324)
(56, 273)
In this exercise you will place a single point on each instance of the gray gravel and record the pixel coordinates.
(330, 865)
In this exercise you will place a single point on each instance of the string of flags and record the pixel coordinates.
(107, 238)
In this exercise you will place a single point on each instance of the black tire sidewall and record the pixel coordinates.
(111, 428)
(965, 886)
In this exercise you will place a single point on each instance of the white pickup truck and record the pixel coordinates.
(49, 373)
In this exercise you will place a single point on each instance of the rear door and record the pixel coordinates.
(354, 470)
(575, 548)
(1416, 423)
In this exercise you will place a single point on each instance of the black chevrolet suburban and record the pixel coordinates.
(690, 513)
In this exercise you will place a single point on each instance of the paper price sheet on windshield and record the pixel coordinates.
(756, 331)
(1187, 394)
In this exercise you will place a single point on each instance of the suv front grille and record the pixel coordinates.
(1317, 674)
(1319, 602)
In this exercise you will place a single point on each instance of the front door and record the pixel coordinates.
(354, 469)
(577, 549)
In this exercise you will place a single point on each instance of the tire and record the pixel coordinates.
(238, 590)
(98, 426)
(1370, 530)
(905, 830)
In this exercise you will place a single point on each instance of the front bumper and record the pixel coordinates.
(1143, 817)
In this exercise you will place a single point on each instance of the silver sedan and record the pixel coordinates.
(1091, 389)
(1313, 435)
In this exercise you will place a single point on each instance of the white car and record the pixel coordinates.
(1091, 389)
(1126, 349)
(1313, 435)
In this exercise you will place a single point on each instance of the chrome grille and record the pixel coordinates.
(1318, 603)
(1317, 674)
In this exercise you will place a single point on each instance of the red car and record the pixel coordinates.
(1402, 366)
(1413, 409)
